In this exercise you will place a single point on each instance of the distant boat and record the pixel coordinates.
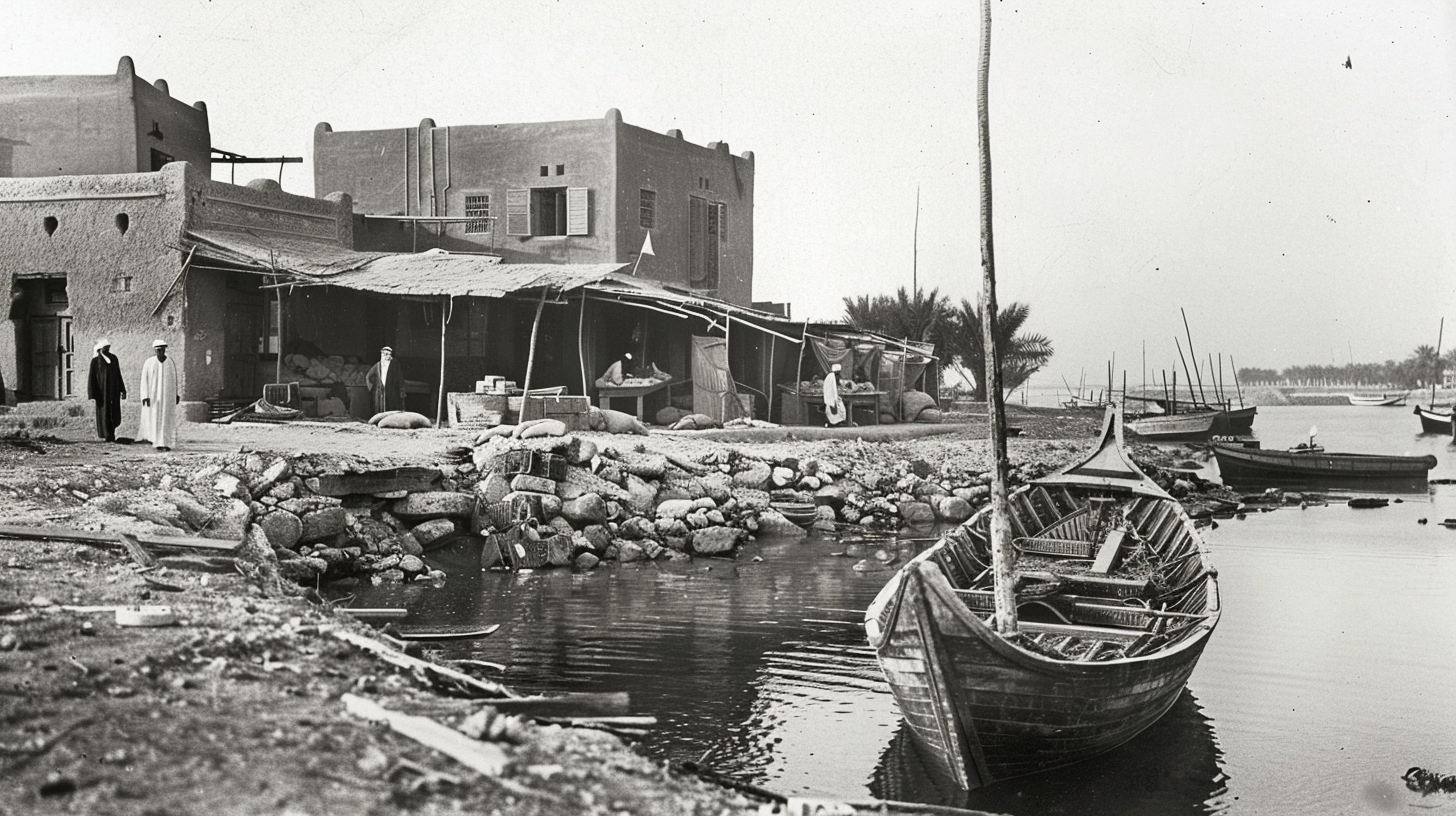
(1076, 401)
(1256, 465)
(1377, 399)
(1190, 427)
(1433, 421)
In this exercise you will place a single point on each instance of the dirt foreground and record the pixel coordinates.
(241, 705)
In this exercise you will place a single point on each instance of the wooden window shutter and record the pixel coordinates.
(723, 224)
(518, 212)
(577, 213)
(697, 237)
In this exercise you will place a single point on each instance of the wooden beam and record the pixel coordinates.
(109, 539)
(412, 479)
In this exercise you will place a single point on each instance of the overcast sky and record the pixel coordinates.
(1147, 156)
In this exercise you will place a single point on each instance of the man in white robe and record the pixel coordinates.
(834, 409)
(160, 397)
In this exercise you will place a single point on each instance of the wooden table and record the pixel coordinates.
(850, 399)
(606, 393)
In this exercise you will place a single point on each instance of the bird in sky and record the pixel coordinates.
(1348, 64)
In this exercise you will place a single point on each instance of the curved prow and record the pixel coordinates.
(1108, 465)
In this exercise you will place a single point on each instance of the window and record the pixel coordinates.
(647, 209)
(477, 208)
(722, 224)
(548, 211)
(545, 170)
(159, 160)
(560, 169)
(121, 283)
(703, 243)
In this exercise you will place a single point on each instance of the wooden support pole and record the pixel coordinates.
(531, 355)
(581, 341)
(447, 308)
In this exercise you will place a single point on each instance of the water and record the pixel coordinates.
(1328, 677)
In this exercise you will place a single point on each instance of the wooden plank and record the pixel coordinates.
(395, 657)
(411, 479)
(483, 757)
(372, 614)
(1107, 554)
(109, 539)
(1081, 631)
(580, 704)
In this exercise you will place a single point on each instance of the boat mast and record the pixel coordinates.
(1194, 355)
(1435, 375)
(1003, 561)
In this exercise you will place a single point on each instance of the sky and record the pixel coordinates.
(1150, 159)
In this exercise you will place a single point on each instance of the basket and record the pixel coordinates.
(532, 463)
(519, 552)
(285, 395)
(514, 509)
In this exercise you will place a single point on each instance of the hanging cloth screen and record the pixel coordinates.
(714, 392)
(829, 351)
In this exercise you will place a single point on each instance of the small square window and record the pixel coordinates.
(121, 283)
(545, 170)
(560, 169)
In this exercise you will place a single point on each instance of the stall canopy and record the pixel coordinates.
(306, 263)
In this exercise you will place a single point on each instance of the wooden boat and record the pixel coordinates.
(1236, 421)
(1194, 426)
(1117, 600)
(1249, 464)
(1433, 421)
(1377, 399)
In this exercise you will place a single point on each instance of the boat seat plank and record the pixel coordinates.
(1081, 631)
(1109, 552)
(1065, 547)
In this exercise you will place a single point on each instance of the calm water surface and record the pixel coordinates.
(1330, 674)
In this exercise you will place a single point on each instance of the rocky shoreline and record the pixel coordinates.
(237, 707)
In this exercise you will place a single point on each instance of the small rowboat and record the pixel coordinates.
(446, 634)
(1193, 426)
(800, 513)
(1377, 399)
(1250, 464)
(1116, 598)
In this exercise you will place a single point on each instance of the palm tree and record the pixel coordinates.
(1021, 354)
(920, 317)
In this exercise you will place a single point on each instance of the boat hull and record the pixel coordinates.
(1382, 400)
(984, 710)
(1434, 421)
(1235, 421)
(1248, 464)
(1176, 427)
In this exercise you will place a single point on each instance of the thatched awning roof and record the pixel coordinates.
(432, 273)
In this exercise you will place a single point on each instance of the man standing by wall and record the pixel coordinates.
(106, 389)
(160, 397)
(386, 383)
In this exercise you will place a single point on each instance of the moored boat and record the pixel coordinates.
(1434, 421)
(1116, 598)
(1377, 399)
(1249, 464)
(1193, 426)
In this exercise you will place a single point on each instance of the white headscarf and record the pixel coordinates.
(101, 344)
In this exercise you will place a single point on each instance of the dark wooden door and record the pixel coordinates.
(243, 342)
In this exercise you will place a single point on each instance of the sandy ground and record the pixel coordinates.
(237, 708)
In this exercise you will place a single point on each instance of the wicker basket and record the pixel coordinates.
(532, 463)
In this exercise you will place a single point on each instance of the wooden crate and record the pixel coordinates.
(515, 509)
(469, 411)
(571, 410)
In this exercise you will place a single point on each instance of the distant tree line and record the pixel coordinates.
(1422, 368)
(928, 317)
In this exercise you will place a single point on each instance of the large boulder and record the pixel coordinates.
(953, 509)
(917, 513)
(772, 523)
(752, 474)
(434, 504)
(587, 509)
(282, 528)
(675, 508)
(641, 495)
(427, 533)
(716, 540)
(322, 523)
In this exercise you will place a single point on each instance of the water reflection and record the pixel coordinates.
(1173, 767)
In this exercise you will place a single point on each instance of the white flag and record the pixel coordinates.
(647, 245)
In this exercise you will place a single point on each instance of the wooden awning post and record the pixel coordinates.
(581, 341)
(447, 310)
(531, 355)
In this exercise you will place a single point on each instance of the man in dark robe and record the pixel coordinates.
(106, 389)
(386, 383)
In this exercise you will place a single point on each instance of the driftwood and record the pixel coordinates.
(371, 614)
(483, 757)
(432, 671)
(107, 539)
(412, 479)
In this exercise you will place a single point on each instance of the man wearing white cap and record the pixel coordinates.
(160, 397)
(386, 383)
(106, 389)
(834, 410)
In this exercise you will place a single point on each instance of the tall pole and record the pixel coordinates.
(1435, 375)
(1233, 367)
(915, 248)
(1191, 397)
(1003, 564)
(1195, 358)
(447, 309)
